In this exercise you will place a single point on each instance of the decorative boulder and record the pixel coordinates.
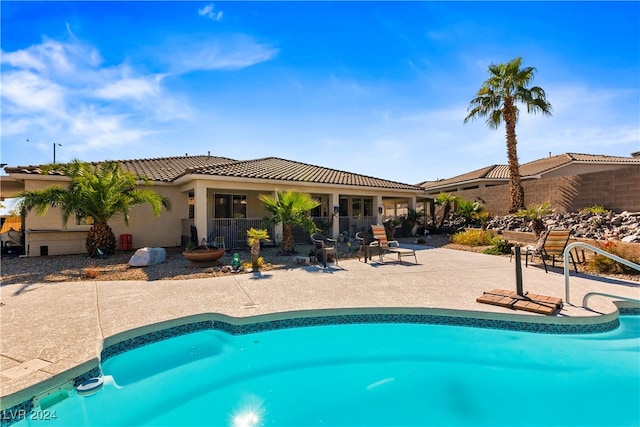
(147, 256)
(631, 239)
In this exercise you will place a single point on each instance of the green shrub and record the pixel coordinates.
(603, 264)
(596, 209)
(500, 247)
(473, 238)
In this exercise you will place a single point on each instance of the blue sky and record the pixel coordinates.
(377, 88)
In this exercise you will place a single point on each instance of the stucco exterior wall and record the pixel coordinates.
(47, 235)
(148, 230)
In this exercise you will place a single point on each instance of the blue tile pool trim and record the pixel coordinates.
(20, 411)
(152, 337)
(631, 311)
(16, 413)
(344, 319)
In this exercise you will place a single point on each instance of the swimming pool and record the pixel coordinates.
(366, 375)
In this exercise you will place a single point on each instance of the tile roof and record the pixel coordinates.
(274, 168)
(531, 169)
(168, 169)
(469, 176)
(164, 169)
(547, 164)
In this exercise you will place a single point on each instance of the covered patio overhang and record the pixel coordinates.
(221, 197)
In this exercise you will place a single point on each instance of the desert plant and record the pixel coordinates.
(468, 209)
(483, 218)
(290, 208)
(596, 209)
(254, 237)
(496, 100)
(96, 191)
(473, 237)
(92, 271)
(500, 247)
(535, 213)
(259, 264)
(445, 200)
(603, 264)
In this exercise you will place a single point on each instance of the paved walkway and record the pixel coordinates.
(54, 331)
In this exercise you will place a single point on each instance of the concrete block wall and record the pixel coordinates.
(618, 190)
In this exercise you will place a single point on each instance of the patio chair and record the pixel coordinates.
(385, 246)
(364, 239)
(325, 247)
(549, 246)
(530, 248)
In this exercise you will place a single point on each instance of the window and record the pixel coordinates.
(192, 203)
(344, 207)
(230, 206)
(356, 207)
(368, 207)
(317, 211)
(362, 207)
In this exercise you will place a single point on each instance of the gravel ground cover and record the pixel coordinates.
(69, 268)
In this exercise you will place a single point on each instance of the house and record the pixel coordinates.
(570, 181)
(219, 196)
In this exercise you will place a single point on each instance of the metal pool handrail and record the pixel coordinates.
(567, 252)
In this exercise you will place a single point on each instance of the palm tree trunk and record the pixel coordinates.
(538, 227)
(287, 239)
(255, 253)
(515, 187)
(100, 240)
(446, 208)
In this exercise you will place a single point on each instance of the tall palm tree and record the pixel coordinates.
(290, 208)
(496, 100)
(99, 192)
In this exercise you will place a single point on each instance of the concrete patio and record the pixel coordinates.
(52, 332)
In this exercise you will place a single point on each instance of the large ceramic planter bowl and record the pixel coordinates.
(203, 254)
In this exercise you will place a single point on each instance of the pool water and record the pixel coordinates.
(369, 375)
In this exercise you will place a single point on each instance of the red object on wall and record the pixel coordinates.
(125, 242)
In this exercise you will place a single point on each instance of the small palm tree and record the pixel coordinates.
(254, 236)
(96, 191)
(447, 201)
(535, 213)
(483, 218)
(468, 210)
(496, 99)
(290, 208)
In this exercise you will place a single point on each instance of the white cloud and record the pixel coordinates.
(210, 12)
(28, 91)
(54, 58)
(59, 90)
(220, 54)
(136, 88)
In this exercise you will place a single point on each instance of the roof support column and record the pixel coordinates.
(334, 207)
(378, 209)
(411, 203)
(278, 229)
(200, 211)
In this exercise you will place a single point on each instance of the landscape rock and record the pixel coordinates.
(147, 256)
(623, 226)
